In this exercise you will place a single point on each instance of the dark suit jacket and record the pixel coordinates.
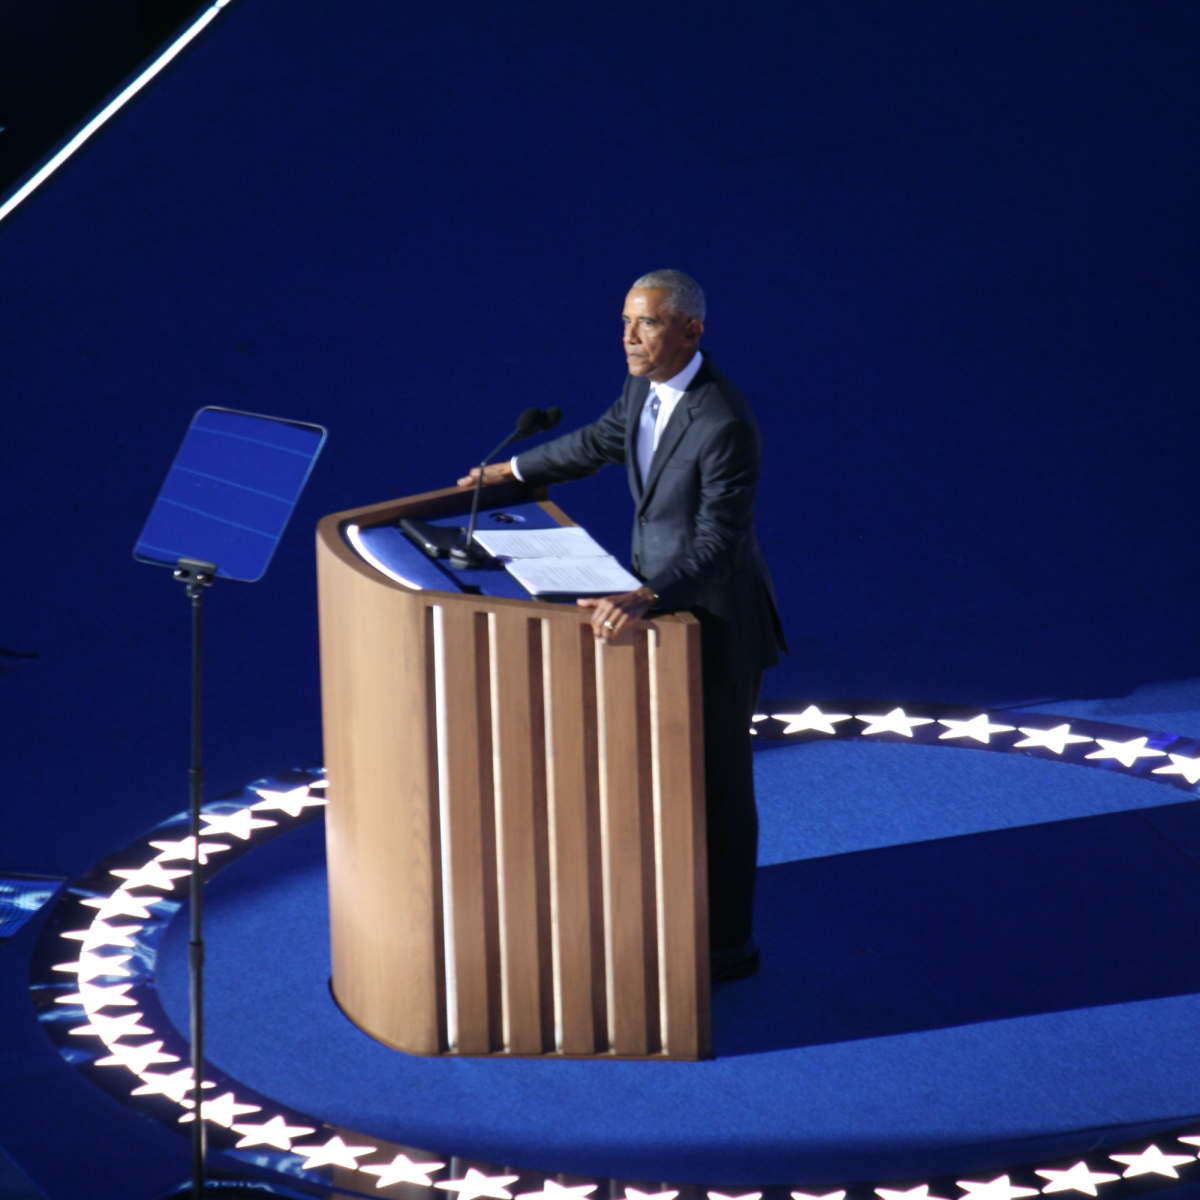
(693, 531)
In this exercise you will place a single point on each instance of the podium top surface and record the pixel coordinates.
(390, 552)
(383, 553)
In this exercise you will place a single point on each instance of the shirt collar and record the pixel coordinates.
(672, 389)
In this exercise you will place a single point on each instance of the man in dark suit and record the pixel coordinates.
(692, 450)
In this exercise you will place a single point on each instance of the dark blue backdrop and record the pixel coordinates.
(951, 256)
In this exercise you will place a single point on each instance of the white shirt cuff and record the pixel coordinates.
(515, 469)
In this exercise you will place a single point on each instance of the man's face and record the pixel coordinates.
(658, 343)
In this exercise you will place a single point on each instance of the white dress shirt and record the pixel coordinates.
(669, 393)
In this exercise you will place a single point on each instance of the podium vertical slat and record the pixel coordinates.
(680, 747)
(521, 823)
(571, 702)
(628, 808)
(468, 734)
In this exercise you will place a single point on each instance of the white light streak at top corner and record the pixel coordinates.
(111, 109)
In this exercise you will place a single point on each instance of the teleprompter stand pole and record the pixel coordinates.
(196, 576)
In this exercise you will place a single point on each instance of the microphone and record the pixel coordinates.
(528, 423)
(531, 421)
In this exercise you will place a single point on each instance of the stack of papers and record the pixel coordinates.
(566, 561)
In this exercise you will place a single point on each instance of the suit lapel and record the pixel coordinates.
(637, 399)
(681, 418)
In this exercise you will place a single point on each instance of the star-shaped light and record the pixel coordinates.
(918, 1193)
(112, 1029)
(1191, 1141)
(978, 728)
(100, 933)
(1056, 739)
(477, 1184)
(276, 1132)
(137, 1058)
(177, 1086)
(1126, 753)
(92, 997)
(224, 1110)
(185, 848)
(94, 966)
(292, 802)
(335, 1153)
(240, 824)
(557, 1191)
(632, 1193)
(814, 1196)
(1189, 768)
(1079, 1178)
(897, 721)
(811, 718)
(121, 904)
(402, 1169)
(740, 1196)
(1151, 1161)
(153, 874)
(95, 997)
(1000, 1188)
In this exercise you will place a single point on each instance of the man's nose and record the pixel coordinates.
(631, 334)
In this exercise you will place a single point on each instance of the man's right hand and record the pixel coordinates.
(492, 473)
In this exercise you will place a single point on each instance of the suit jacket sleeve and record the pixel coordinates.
(579, 453)
(724, 518)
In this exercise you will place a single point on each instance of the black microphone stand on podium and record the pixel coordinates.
(531, 421)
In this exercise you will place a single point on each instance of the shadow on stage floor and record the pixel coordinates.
(1043, 918)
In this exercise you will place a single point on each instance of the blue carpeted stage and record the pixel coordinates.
(991, 974)
(951, 258)
(970, 961)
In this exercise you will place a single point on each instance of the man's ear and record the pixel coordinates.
(693, 330)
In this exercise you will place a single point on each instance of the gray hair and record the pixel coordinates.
(685, 297)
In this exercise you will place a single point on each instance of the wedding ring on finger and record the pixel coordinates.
(609, 625)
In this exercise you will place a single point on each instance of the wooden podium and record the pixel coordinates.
(516, 821)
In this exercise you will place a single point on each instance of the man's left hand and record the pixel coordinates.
(612, 614)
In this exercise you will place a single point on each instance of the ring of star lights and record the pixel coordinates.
(93, 985)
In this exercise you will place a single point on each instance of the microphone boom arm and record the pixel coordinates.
(467, 549)
(532, 420)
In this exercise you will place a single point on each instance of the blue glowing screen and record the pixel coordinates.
(230, 491)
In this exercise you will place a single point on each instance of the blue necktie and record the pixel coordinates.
(645, 437)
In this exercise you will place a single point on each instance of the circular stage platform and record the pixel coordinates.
(974, 966)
